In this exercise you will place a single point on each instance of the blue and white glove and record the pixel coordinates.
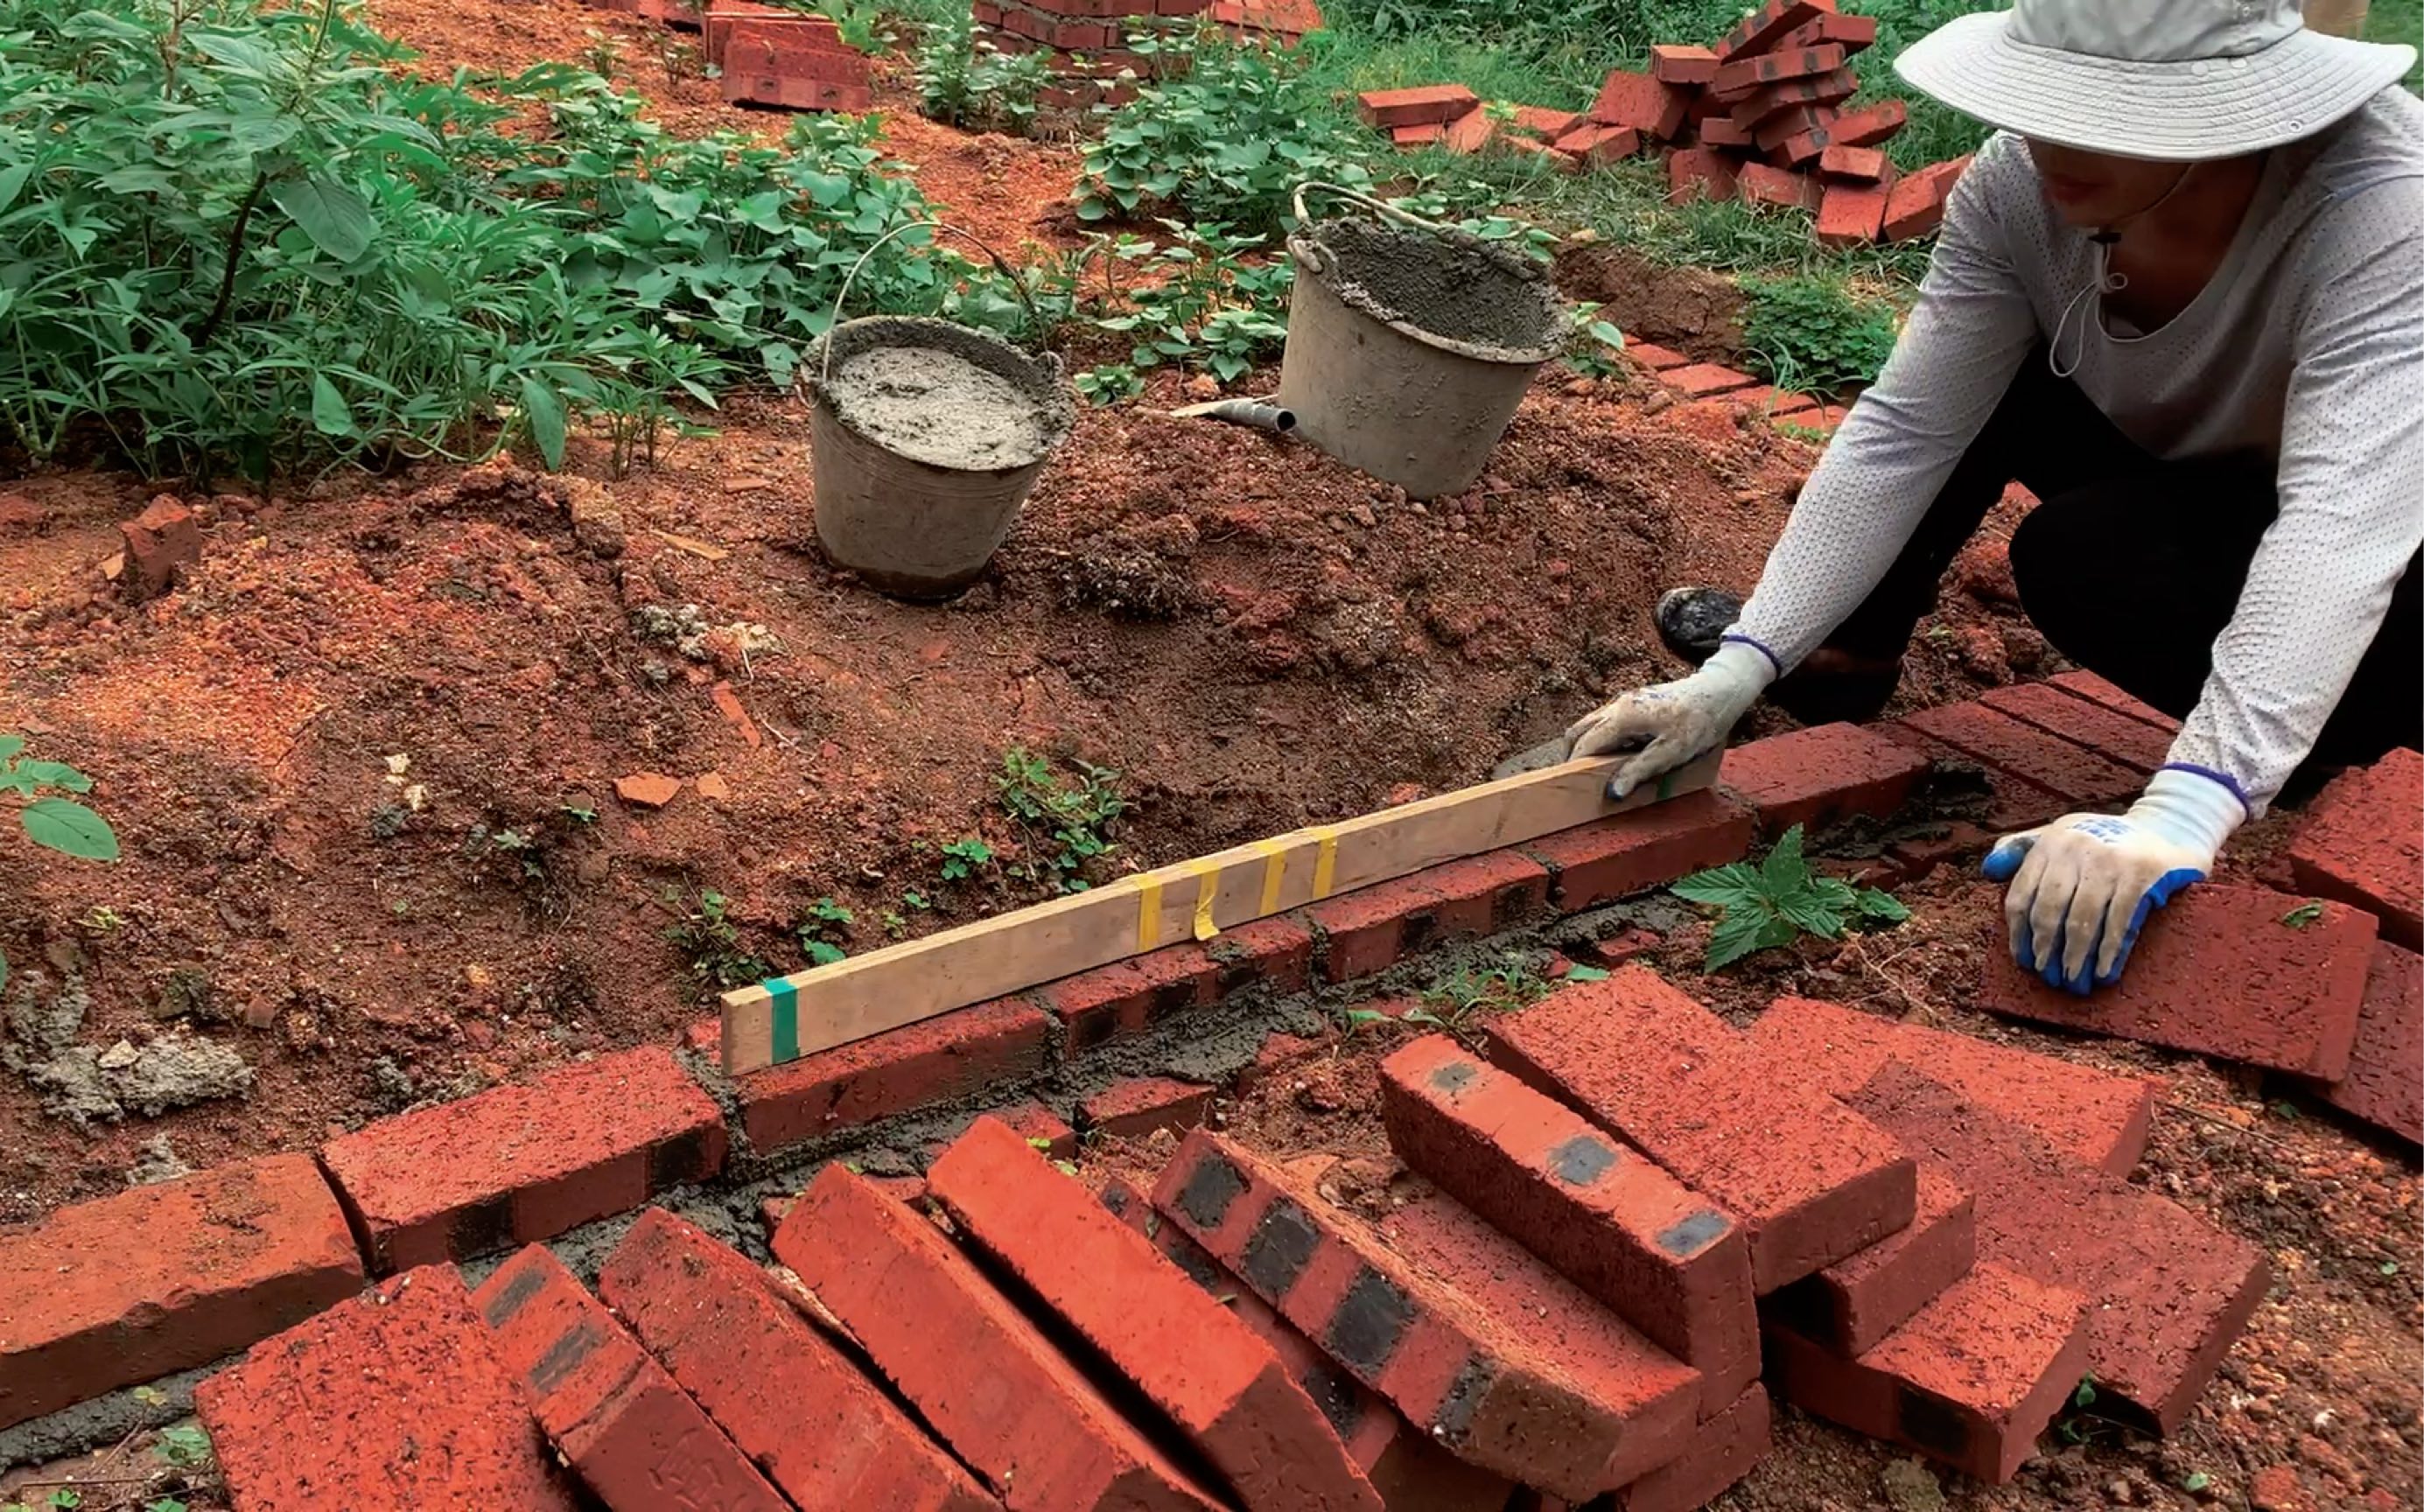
(2081, 886)
(1668, 726)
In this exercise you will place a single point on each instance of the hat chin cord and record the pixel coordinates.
(2106, 281)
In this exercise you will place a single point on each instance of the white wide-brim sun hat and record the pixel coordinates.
(2170, 80)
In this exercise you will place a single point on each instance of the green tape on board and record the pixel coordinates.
(784, 1000)
(1665, 787)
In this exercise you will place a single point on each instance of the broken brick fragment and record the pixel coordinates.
(1139, 1105)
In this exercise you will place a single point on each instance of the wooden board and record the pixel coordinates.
(788, 1017)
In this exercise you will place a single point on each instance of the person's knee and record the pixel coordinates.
(2051, 560)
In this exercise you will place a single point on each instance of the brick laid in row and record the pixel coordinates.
(1660, 1071)
(2363, 845)
(898, 1070)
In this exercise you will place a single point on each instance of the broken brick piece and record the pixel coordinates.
(1682, 65)
(634, 1437)
(1695, 173)
(1916, 205)
(1827, 773)
(647, 790)
(1863, 165)
(802, 1411)
(1761, 184)
(1433, 104)
(1576, 1402)
(1137, 1105)
(1971, 1381)
(392, 1401)
(519, 1163)
(1851, 215)
(1623, 1230)
(2167, 1289)
(2098, 1117)
(1667, 1074)
(125, 1288)
(1002, 1395)
(1775, 67)
(1471, 132)
(1422, 136)
(2244, 973)
(901, 1070)
(2080, 775)
(1706, 380)
(1190, 1356)
(1768, 25)
(2384, 1085)
(1614, 857)
(2115, 736)
(1722, 1451)
(1853, 1304)
(2363, 844)
(1636, 100)
(161, 542)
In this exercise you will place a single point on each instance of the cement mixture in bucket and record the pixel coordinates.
(940, 405)
(1455, 288)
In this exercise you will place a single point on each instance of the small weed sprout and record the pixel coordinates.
(51, 821)
(822, 926)
(709, 942)
(1065, 828)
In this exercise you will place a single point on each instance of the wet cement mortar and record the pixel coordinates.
(945, 396)
(1450, 284)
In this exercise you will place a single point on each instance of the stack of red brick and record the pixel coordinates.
(1089, 37)
(787, 59)
(1760, 117)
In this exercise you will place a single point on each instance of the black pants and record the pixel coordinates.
(2129, 566)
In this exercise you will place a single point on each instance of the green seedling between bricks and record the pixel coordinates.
(1778, 900)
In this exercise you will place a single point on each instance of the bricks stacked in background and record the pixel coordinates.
(1088, 38)
(786, 59)
(1763, 116)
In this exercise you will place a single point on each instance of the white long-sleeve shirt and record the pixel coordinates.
(2307, 345)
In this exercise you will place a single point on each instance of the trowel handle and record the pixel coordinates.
(843, 299)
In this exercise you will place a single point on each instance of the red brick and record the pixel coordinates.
(2221, 972)
(986, 13)
(1721, 131)
(1706, 380)
(2098, 1118)
(1129, 996)
(1575, 1401)
(633, 1436)
(896, 1072)
(1139, 1106)
(1005, 1398)
(1471, 132)
(1543, 120)
(2015, 803)
(1372, 928)
(1816, 776)
(1422, 136)
(823, 1433)
(1597, 143)
(1766, 26)
(2363, 845)
(1655, 358)
(1409, 1472)
(1676, 64)
(1662, 1072)
(1864, 165)
(1636, 100)
(2097, 691)
(1795, 137)
(1795, 105)
(1433, 104)
(1486, 894)
(1220, 1384)
(1762, 185)
(1616, 857)
(2384, 1085)
(1971, 1381)
(394, 1401)
(122, 1289)
(1032, 1121)
(1722, 1451)
(722, 15)
(161, 541)
(1697, 173)
(1850, 215)
(1623, 1230)
(1853, 1304)
(2080, 775)
(1919, 200)
(1852, 33)
(514, 1164)
(2168, 1291)
(1871, 125)
(1775, 67)
(2118, 737)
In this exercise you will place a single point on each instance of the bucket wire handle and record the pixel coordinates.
(834, 321)
(1379, 207)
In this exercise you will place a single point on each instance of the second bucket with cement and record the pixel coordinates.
(925, 438)
(1409, 346)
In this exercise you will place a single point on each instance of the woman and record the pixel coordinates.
(2180, 297)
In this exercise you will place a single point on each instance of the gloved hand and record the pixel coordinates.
(2081, 886)
(1673, 721)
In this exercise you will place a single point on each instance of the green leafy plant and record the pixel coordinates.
(965, 80)
(1811, 334)
(183, 1446)
(1594, 347)
(1223, 136)
(861, 22)
(963, 859)
(1109, 383)
(710, 944)
(166, 1503)
(1469, 992)
(1778, 900)
(1065, 827)
(1196, 299)
(51, 821)
(822, 926)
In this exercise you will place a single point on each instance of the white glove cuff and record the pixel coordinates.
(1741, 668)
(2190, 808)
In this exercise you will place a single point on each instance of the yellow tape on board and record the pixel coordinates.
(1325, 864)
(1207, 890)
(1148, 911)
(1274, 873)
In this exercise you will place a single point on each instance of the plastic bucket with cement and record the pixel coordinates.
(925, 438)
(1410, 344)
